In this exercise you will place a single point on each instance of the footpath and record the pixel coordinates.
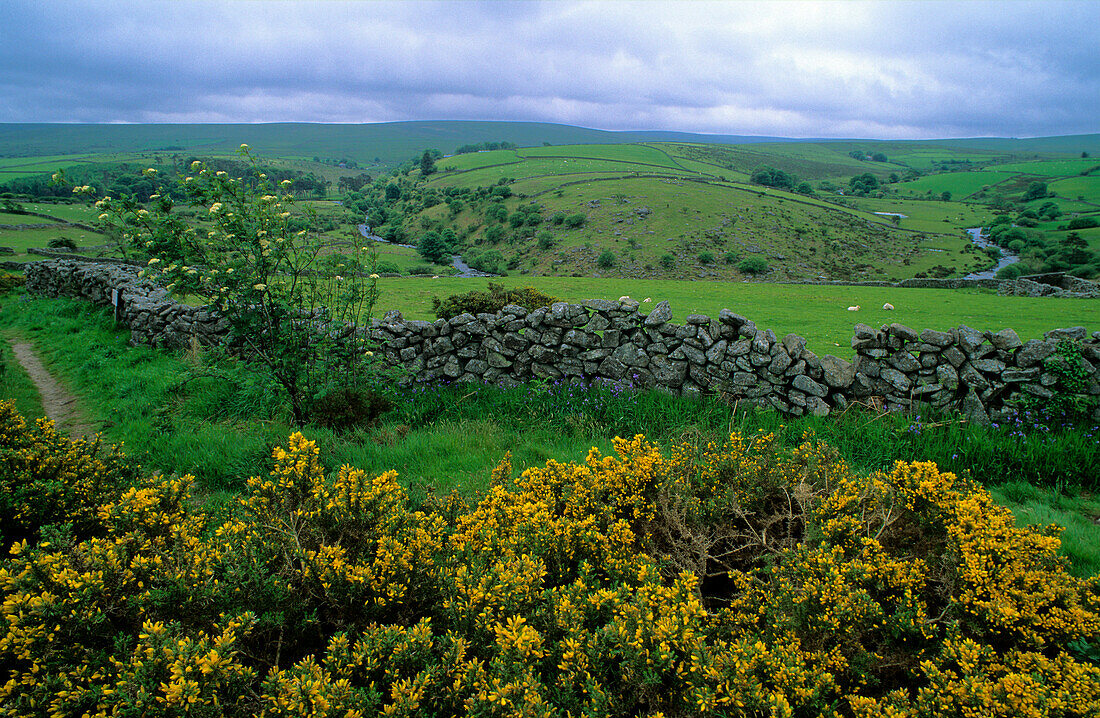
(59, 404)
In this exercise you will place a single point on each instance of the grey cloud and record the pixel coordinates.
(805, 69)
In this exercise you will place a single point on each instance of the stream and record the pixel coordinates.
(981, 242)
(464, 270)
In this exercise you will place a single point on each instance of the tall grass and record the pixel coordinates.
(201, 413)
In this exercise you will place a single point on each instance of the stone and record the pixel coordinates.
(779, 363)
(902, 332)
(969, 338)
(631, 355)
(806, 384)
(947, 377)
(862, 331)
(817, 406)
(1005, 340)
(954, 356)
(794, 345)
(717, 352)
(989, 366)
(973, 409)
(895, 378)
(600, 305)
(1072, 333)
(692, 354)
(903, 361)
(1020, 375)
(729, 318)
(939, 339)
(661, 314)
(837, 372)
(1033, 352)
(668, 372)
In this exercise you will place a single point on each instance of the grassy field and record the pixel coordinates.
(192, 413)
(959, 184)
(23, 239)
(1049, 168)
(1085, 189)
(10, 218)
(926, 215)
(819, 313)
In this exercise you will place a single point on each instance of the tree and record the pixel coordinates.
(945, 196)
(878, 157)
(1036, 190)
(427, 163)
(863, 184)
(432, 248)
(772, 177)
(258, 265)
(606, 259)
(393, 191)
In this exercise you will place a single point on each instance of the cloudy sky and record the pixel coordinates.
(799, 69)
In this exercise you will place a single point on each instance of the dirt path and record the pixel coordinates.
(60, 405)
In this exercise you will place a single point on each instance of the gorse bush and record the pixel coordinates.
(495, 298)
(730, 579)
(8, 282)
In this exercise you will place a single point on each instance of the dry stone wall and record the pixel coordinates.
(981, 374)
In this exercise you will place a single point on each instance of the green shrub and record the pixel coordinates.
(490, 301)
(61, 243)
(731, 257)
(668, 261)
(706, 258)
(387, 267)
(753, 265)
(574, 221)
(423, 269)
(606, 260)
(545, 240)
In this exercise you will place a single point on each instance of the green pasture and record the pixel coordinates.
(806, 160)
(803, 238)
(10, 218)
(475, 160)
(926, 215)
(23, 239)
(1049, 168)
(818, 313)
(639, 154)
(959, 184)
(1073, 188)
(66, 212)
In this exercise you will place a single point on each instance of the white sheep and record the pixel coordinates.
(647, 299)
(624, 298)
(888, 306)
(854, 309)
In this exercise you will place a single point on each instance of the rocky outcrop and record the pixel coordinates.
(978, 373)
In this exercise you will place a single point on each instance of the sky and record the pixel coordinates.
(887, 70)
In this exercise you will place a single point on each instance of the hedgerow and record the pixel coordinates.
(731, 579)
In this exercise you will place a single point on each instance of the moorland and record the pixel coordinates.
(733, 561)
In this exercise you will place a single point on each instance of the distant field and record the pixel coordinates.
(473, 160)
(642, 154)
(1073, 188)
(1050, 168)
(24, 239)
(819, 313)
(959, 184)
(927, 215)
(9, 218)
